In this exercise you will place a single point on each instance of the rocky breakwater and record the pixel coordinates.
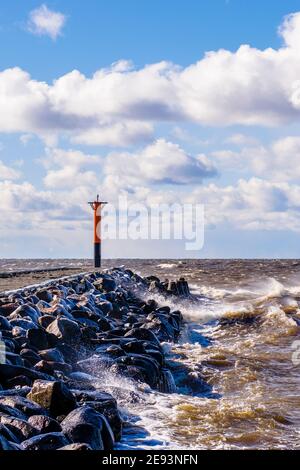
(58, 336)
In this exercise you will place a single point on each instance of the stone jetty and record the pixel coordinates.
(56, 336)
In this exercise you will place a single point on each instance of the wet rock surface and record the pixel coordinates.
(61, 337)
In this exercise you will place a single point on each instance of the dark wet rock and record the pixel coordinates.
(25, 311)
(94, 364)
(162, 329)
(150, 306)
(65, 329)
(44, 424)
(10, 411)
(147, 367)
(104, 324)
(5, 444)
(22, 404)
(8, 371)
(77, 447)
(89, 323)
(4, 324)
(37, 338)
(157, 355)
(105, 404)
(87, 425)
(15, 392)
(22, 323)
(19, 381)
(46, 320)
(142, 334)
(30, 356)
(7, 309)
(114, 351)
(14, 359)
(44, 294)
(52, 354)
(134, 346)
(106, 284)
(70, 354)
(105, 306)
(5, 432)
(165, 309)
(55, 397)
(19, 427)
(50, 366)
(50, 441)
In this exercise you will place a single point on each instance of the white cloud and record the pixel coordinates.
(161, 162)
(7, 173)
(116, 134)
(72, 169)
(119, 105)
(241, 139)
(26, 138)
(251, 205)
(43, 21)
(279, 161)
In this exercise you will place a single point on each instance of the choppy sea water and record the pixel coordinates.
(236, 366)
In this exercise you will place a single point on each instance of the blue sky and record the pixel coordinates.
(165, 122)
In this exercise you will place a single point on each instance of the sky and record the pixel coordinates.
(173, 102)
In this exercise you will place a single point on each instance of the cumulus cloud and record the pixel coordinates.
(70, 169)
(8, 173)
(116, 134)
(161, 162)
(251, 204)
(278, 161)
(119, 105)
(241, 139)
(45, 22)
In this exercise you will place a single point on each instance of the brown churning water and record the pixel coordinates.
(236, 368)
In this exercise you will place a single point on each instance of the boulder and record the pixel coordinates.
(5, 432)
(19, 381)
(87, 425)
(45, 295)
(146, 365)
(65, 329)
(25, 311)
(30, 356)
(50, 366)
(10, 411)
(143, 334)
(37, 338)
(106, 284)
(4, 324)
(51, 355)
(19, 427)
(46, 320)
(13, 359)
(55, 397)
(5, 444)
(8, 371)
(77, 446)
(27, 407)
(7, 309)
(105, 404)
(50, 441)
(44, 424)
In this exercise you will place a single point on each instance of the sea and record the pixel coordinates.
(235, 368)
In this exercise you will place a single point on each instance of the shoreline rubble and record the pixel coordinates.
(59, 334)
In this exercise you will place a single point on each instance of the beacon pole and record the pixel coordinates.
(97, 206)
